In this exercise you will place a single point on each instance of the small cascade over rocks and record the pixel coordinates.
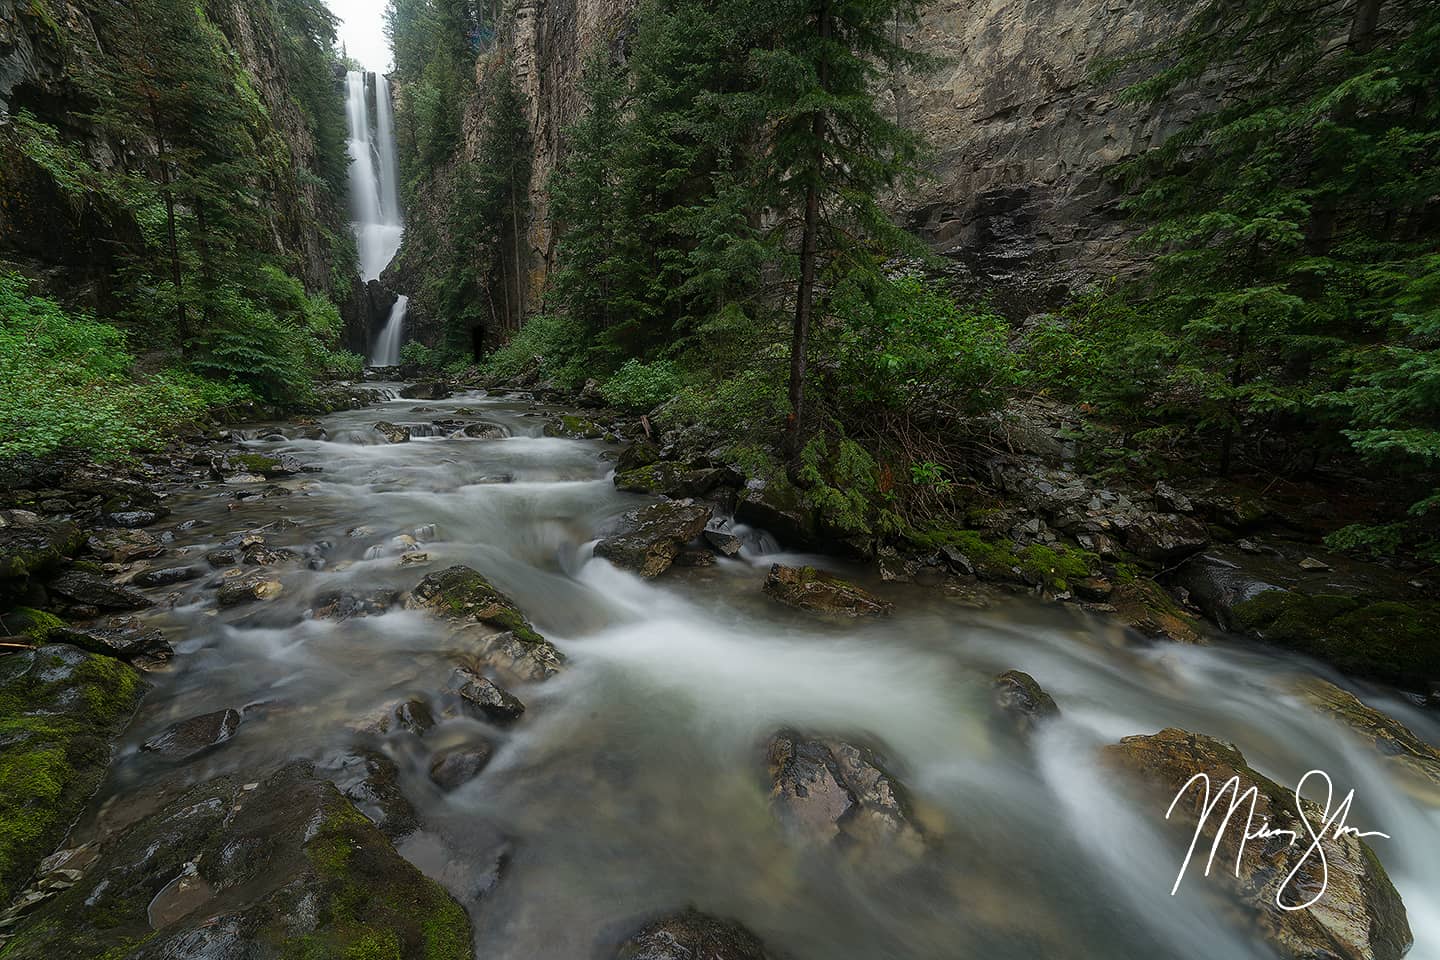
(374, 195)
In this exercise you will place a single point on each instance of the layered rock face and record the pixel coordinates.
(1021, 134)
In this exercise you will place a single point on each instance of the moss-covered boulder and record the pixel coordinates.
(1022, 701)
(647, 540)
(493, 625)
(60, 708)
(1386, 639)
(285, 868)
(30, 545)
(575, 428)
(642, 453)
(1144, 605)
(670, 479)
(1359, 916)
(821, 592)
(775, 505)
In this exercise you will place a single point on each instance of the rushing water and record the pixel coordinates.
(634, 783)
(374, 200)
(387, 344)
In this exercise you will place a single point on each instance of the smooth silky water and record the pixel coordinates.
(634, 784)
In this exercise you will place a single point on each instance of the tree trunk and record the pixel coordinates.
(207, 266)
(805, 295)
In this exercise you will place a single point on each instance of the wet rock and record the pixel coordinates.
(393, 433)
(30, 545)
(124, 546)
(692, 935)
(371, 781)
(590, 395)
(412, 716)
(1219, 580)
(238, 463)
(1415, 762)
(820, 592)
(648, 539)
(194, 735)
(484, 697)
(132, 519)
(640, 454)
(1166, 537)
(224, 557)
(145, 648)
(777, 507)
(1360, 916)
(1169, 499)
(247, 588)
(259, 555)
(484, 431)
(295, 868)
(575, 428)
(831, 791)
(501, 635)
(1313, 565)
(1094, 589)
(81, 587)
(1146, 606)
(166, 576)
(1023, 701)
(342, 604)
(724, 543)
(457, 766)
(694, 557)
(893, 567)
(432, 390)
(60, 709)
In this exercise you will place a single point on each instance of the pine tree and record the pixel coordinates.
(832, 151)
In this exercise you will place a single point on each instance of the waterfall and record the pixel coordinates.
(387, 345)
(375, 195)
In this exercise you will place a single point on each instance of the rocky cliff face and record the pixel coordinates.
(48, 49)
(1021, 135)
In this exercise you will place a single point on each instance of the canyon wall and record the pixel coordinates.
(1021, 136)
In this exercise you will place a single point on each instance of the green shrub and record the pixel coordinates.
(416, 354)
(554, 342)
(68, 383)
(642, 386)
(750, 402)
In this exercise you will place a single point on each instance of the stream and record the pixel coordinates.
(635, 781)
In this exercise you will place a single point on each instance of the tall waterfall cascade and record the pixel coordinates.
(375, 195)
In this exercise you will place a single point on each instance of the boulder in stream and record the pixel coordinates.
(166, 576)
(371, 780)
(484, 697)
(124, 546)
(1359, 916)
(392, 432)
(454, 767)
(1023, 701)
(145, 648)
(692, 935)
(779, 508)
(821, 592)
(430, 390)
(1416, 763)
(501, 635)
(671, 479)
(647, 540)
(826, 790)
(60, 708)
(30, 545)
(282, 866)
(574, 428)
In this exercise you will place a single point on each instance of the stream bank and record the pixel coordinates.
(422, 622)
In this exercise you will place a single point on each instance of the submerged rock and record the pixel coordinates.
(248, 587)
(194, 735)
(292, 870)
(413, 715)
(393, 433)
(452, 768)
(831, 791)
(649, 538)
(1359, 917)
(501, 635)
(821, 592)
(1023, 701)
(60, 708)
(692, 935)
(85, 588)
(371, 781)
(343, 604)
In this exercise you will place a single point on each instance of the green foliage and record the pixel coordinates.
(545, 345)
(906, 345)
(641, 386)
(69, 384)
(843, 488)
(416, 354)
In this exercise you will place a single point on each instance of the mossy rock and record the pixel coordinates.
(1053, 567)
(511, 642)
(575, 428)
(34, 625)
(777, 506)
(1385, 639)
(822, 593)
(60, 708)
(29, 545)
(287, 869)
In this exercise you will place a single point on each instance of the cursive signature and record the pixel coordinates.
(1332, 827)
